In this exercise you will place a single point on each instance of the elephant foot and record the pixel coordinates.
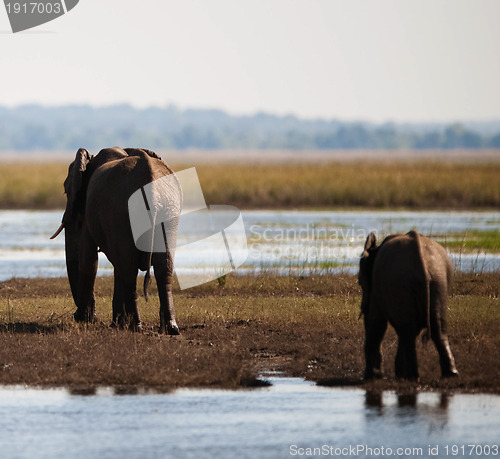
(451, 374)
(135, 327)
(373, 374)
(408, 378)
(84, 316)
(173, 329)
(126, 323)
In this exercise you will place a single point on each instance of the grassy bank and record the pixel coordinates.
(306, 327)
(416, 185)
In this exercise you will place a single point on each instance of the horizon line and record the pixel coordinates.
(250, 114)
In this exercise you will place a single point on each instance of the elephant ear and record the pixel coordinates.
(72, 187)
(73, 184)
(370, 245)
(152, 154)
(138, 151)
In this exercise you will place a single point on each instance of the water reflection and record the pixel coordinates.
(90, 391)
(428, 411)
(86, 391)
(263, 422)
(375, 399)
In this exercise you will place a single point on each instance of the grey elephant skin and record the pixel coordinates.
(405, 282)
(97, 218)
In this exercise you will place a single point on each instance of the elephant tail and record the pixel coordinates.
(427, 335)
(149, 255)
(427, 306)
(147, 276)
(147, 280)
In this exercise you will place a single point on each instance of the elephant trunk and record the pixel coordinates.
(72, 235)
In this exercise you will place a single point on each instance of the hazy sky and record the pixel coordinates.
(414, 60)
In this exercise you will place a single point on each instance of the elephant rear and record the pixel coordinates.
(110, 188)
(98, 190)
(400, 282)
(405, 282)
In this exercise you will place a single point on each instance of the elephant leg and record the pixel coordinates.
(118, 305)
(375, 328)
(85, 311)
(406, 357)
(163, 270)
(129, 292)
(446, 360)
(439, 333)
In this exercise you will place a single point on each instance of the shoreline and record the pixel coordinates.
(271, 156)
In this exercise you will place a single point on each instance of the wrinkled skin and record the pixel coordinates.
(97, 218)
(405, 282)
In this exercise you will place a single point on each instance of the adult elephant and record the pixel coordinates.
(97, 219)
(405, 282)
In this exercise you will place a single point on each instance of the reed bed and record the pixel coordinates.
(401, 185)
(32, 185)
(413, 185)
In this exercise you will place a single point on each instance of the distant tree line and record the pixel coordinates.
(34, 127)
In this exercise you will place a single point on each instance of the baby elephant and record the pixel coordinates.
(405, 281)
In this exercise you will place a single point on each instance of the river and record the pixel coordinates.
(285, 242)
(291, 418)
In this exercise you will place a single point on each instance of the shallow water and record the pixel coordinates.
(259, 423)
(286, 242)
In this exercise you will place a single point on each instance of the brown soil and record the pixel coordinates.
(231, 334)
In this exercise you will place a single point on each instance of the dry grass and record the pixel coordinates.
(295, 185)
(32, 185)
(417, 185)
(305, 326)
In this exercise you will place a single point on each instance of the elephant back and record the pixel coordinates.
(111, 185)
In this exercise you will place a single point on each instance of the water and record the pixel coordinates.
(281, 421)
(259, 423)
(282, 241)
(324, 242)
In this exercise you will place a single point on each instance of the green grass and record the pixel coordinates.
(472, 240)
(415, 185)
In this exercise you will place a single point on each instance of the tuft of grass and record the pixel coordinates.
(472, 240)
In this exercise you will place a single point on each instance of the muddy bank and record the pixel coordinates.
(230, 334)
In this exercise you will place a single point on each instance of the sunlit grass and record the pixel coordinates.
(32, 186)
(473, 240)
(305, 326)
(418, 185)
(283, 185)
